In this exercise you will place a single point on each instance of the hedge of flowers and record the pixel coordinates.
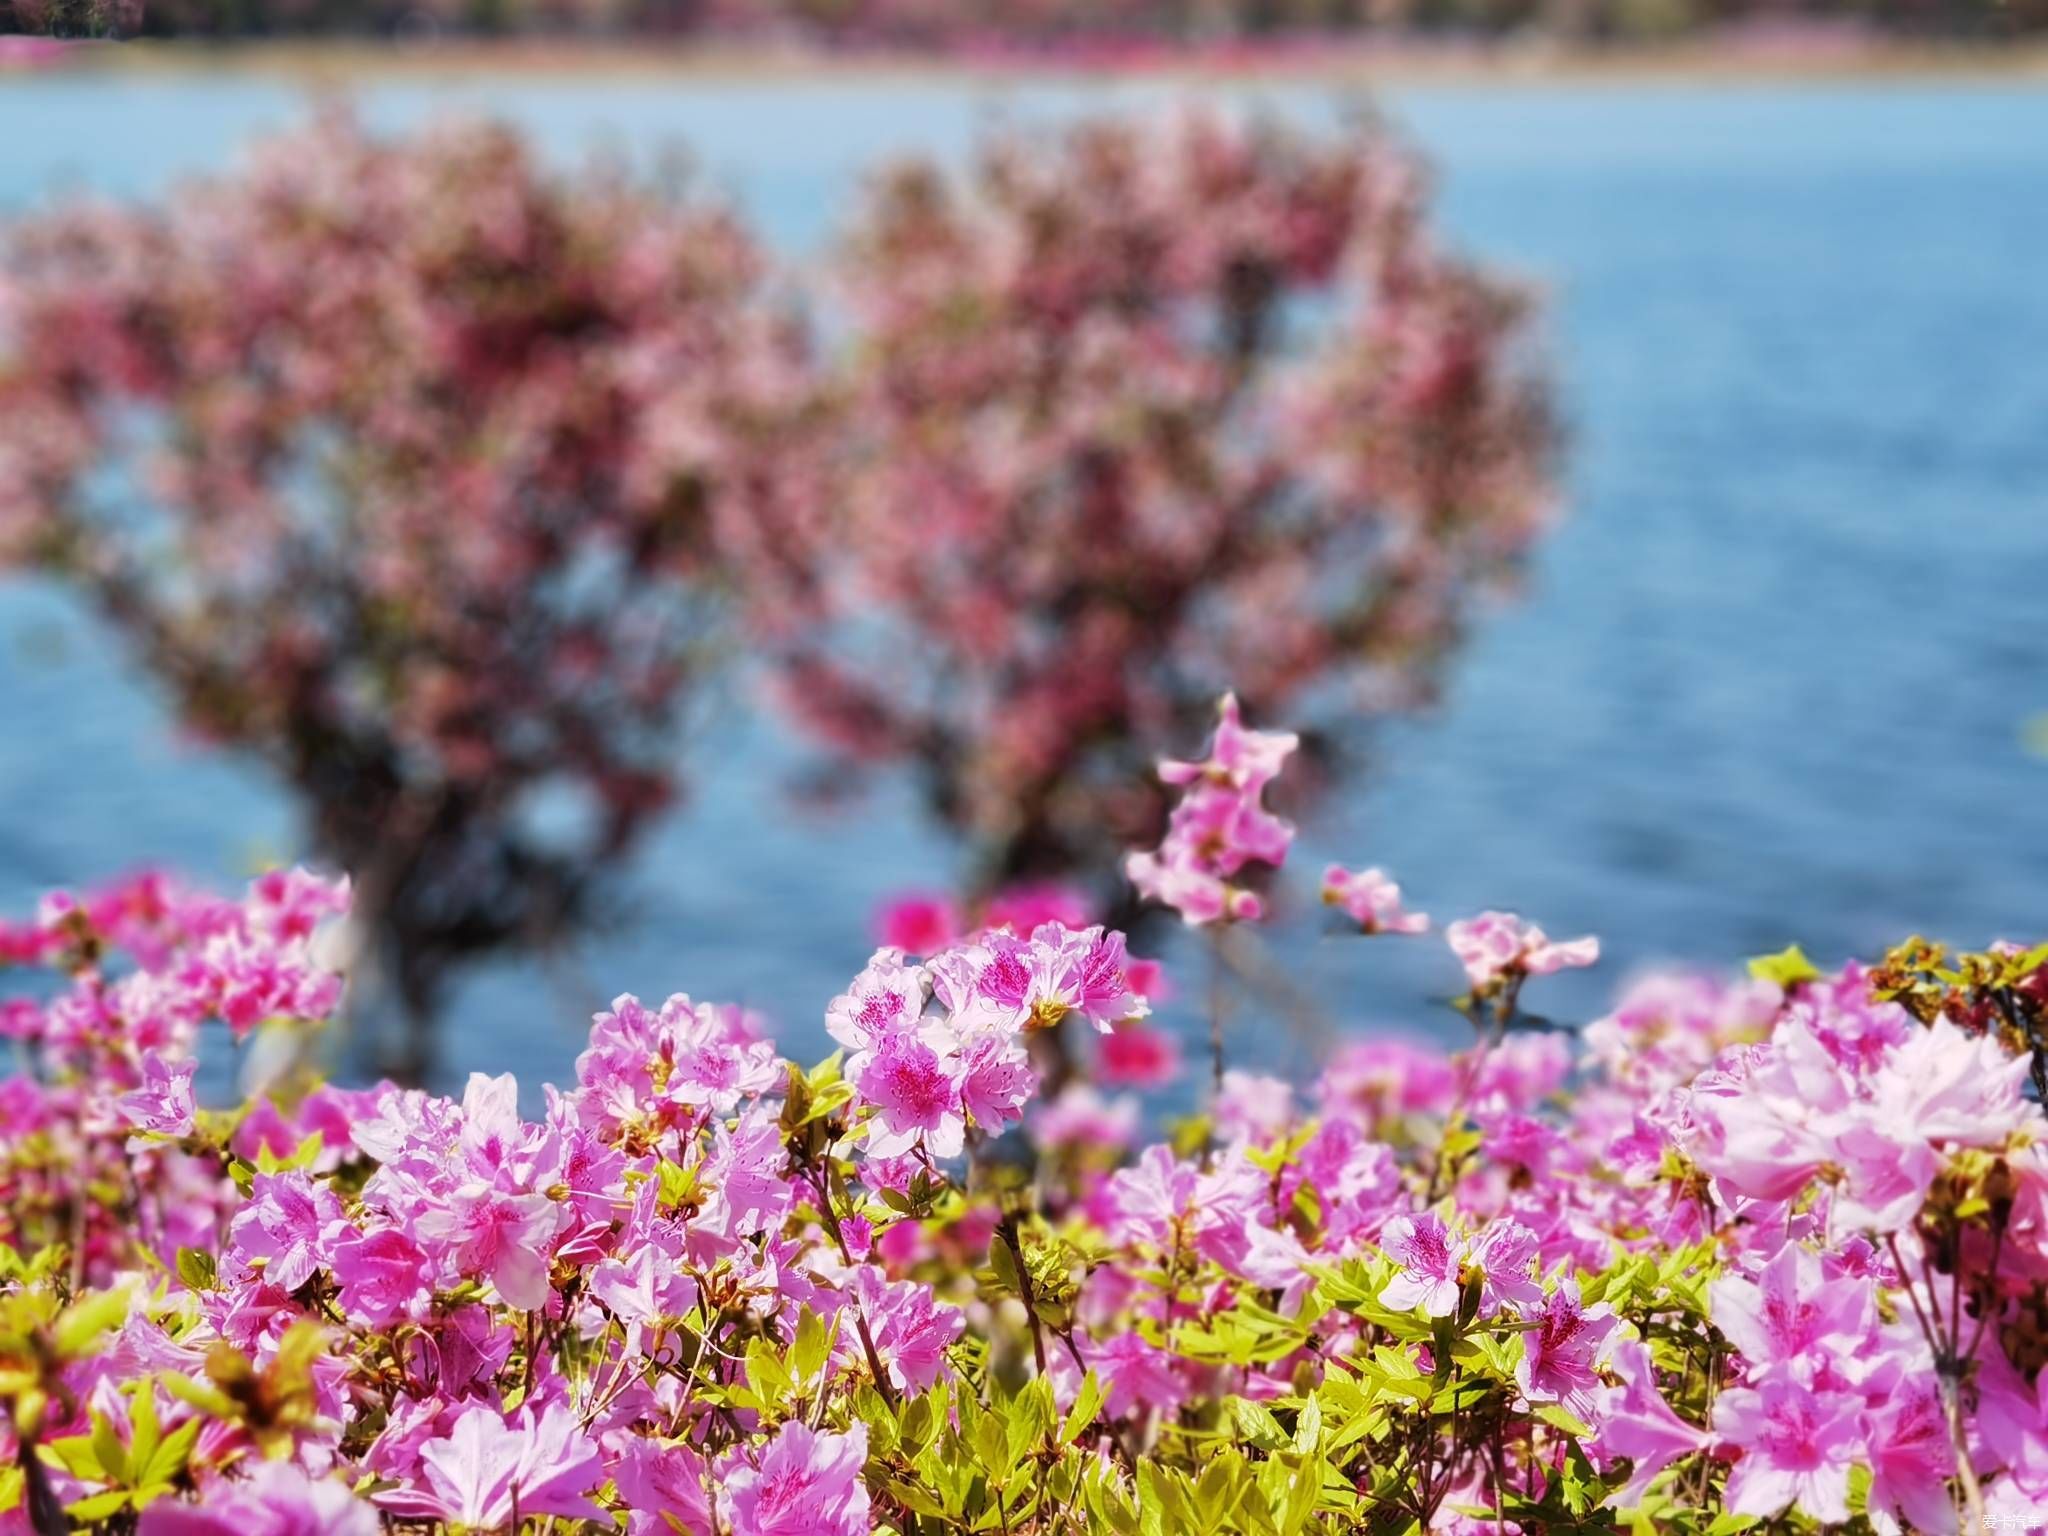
(1766, 1252)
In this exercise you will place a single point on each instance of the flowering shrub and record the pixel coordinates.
(1769, 1253)
(1139, 412)
(402, 465)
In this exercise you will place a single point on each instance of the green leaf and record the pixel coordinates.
(304, 1155)
(106, 1444)
(1087, 1401)
(826, 1072)
(98, 1507)
(208, 1399)
(1308, 1428)
(678, 1184)
(1031, 1419)
(172, 1454)
(1004, 1264)
(766, 1374)
(826, 1100)
(1255, 1422)
(79, 1456)
(196, 1268)
(873, 1411)
(82, 1323)
(1728, 1523)
(143, 1432)
(1788, 967)
(913, 1496)
(813, 1344)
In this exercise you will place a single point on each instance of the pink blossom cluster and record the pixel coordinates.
(1371, 900)
(1219, 826)
(938, 1049)
(1497, 948)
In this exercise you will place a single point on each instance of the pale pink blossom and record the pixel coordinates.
(1497, 945)
(805, 1483)
(1797, 1447)
(1372, 900)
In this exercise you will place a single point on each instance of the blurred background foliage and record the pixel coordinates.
(1055, 25)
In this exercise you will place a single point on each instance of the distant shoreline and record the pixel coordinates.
(1796, 57)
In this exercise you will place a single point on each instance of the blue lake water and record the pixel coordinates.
(1769, 681)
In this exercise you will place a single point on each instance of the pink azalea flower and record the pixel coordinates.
(291, 903)
(1668, 1026)
(1496, 945)
(1030, 905)
(1036, 983)
(1276, 1260)
(492, 1132)
(284, 1225)
(1145, 1200)
(858, 1233)
(489, 1469)
(1356, 1182)
(1372, 900)
(465, 1350)
(1562, 1353)
(1386, 1079)
(1633, 1421)
(1949, 1086)
(1252, 1105)
(916, 1098)
(1791, 1317)
(1912, 1458)
(1136, 1056)
(1518, 1073)
(662, 1487)
(164, 1103)
(1136, 1376)
(382, 1274)
(920, 923)
(269, 1498)
(806, 1483)
(714, 1068)
(1797, 1448)
(996, 1079)
(1766, 1126)
(1200, 896)
(484, 1231)
(884, 1002)
(1080, 1117)
(644, 1284)
(1096, 978)
(1431, 1257)
(1219, 826)
(911, 1330)
(1238, 756)
(1887, 1168)
(1501, 1258)
(747, 1169)
(1149, 980)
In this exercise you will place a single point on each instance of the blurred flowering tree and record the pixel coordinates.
(401, 465)
(1142, 413)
